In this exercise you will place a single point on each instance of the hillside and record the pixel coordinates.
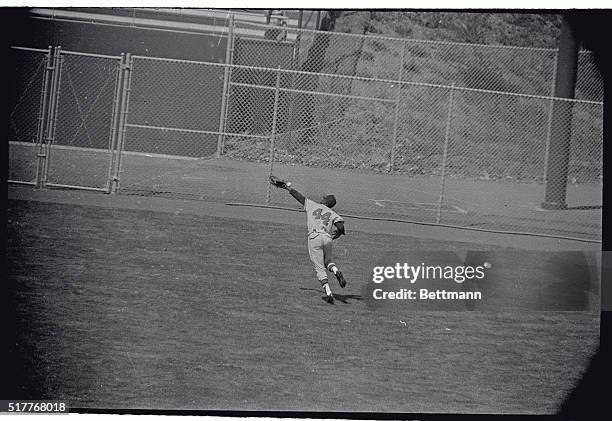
(517, 29)
(497, 134)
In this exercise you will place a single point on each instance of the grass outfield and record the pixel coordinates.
(138, 309)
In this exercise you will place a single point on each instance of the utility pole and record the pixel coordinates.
(557, 161)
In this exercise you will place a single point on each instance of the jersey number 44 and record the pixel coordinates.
(324, 217)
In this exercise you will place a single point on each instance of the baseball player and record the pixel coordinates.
(324, 226)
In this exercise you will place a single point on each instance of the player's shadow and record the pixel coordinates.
(343, 298)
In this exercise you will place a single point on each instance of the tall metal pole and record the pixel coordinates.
(550, 115)
(445, 153)
(120, 119)
(53, 113)
(123, 115)
(228, 95)
(49, 122)
(42, 118)
(273, 136)
(295, 65)
(298, 39)
(114, 130)
(557, 165)
(397, 108)
(224, 99)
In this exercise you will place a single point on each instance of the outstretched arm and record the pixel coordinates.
(282, 184)
(340, 231)
(297, 195)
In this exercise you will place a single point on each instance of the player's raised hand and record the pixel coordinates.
(279, 182)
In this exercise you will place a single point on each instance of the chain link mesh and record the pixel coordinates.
(477, 160)
(24, 103)
(589, 85)
(586, 151)
(80, 152)
(438, 132)
(174, 107)
(174, 114)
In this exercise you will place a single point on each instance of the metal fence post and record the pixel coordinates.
(123, 115)
(228, 95)
(42, 117)
(273, 137)
(114, 121)
(224, 95)
(52, 117)
(397, 108)
(550, 115)
(49, 120)
(445, 153)
(120, 121)
(129, 63)
(295, 66)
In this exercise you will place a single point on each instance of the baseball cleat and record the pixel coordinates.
(341, 279)
(329, 298)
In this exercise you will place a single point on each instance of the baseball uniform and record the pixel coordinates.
(320, 221)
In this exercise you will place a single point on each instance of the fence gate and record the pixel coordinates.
(82, 130)
(65, 120)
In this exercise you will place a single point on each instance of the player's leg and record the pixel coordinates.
(315, 251)
(329, 262)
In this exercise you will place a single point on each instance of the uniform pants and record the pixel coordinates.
(321, 255)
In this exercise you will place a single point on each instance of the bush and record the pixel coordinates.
(378, 46)
(403, 30)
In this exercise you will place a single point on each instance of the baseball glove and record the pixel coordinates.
(279, 182)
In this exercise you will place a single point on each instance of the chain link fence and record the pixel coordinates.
(27, 97)
(429, 132)
(80, 150)
(62, 111)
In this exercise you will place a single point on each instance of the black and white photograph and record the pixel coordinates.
(305, 212)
